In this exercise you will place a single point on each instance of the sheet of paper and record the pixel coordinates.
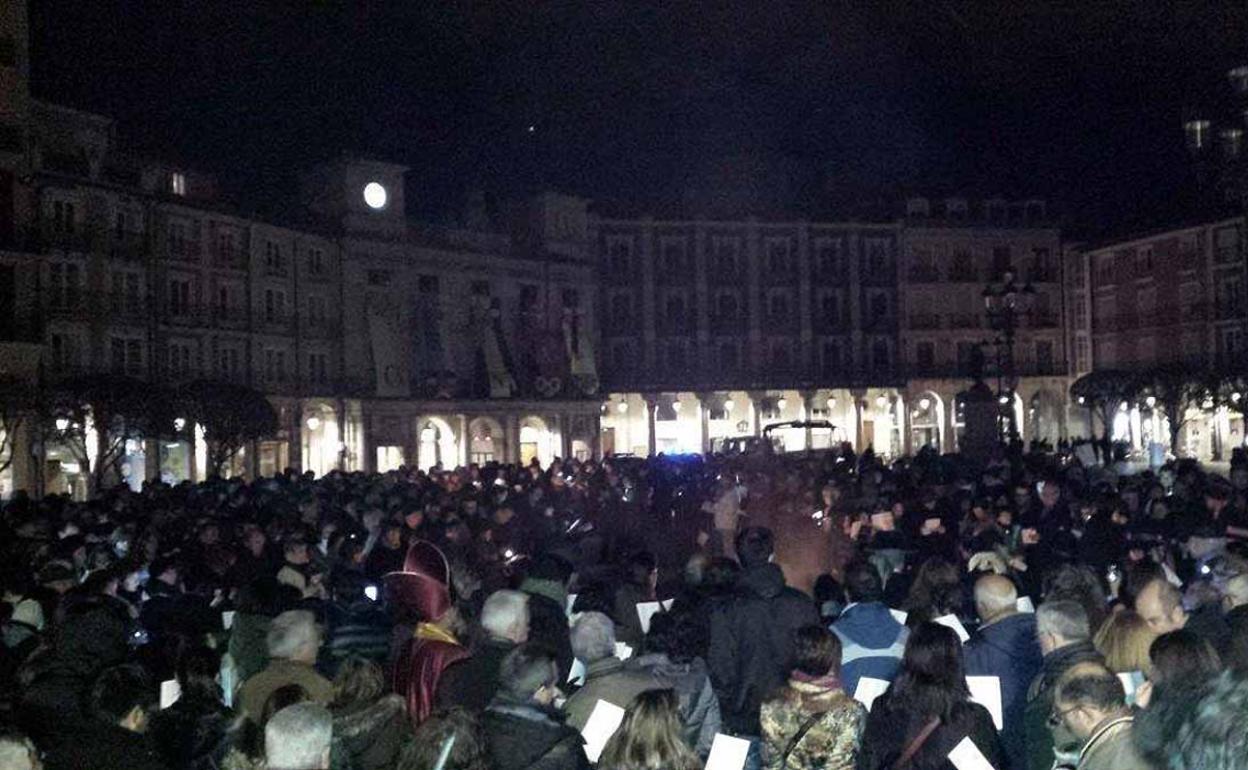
(623, 651)
(1131, 681)
(645, 611)
(576, 674)
(727, 753)
(227, 619)
(603, 721)
(967, 756)
(952, 622)
(667, 604)
(883, 522)
(1024, 604)
(170, 691)
(899, 616)
(986, 691)
(868, 690)
(571, 603)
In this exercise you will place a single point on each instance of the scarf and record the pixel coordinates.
(806, 683)
(435, 633)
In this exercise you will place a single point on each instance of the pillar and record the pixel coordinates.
(808, 409)
(948, 428)
(704, 420)
(652, 405)
(295, 430)
(859, 396)
(151, 460)
(368, 442)
(903, 425)
(511, 439)
(460, 427)
(756, 418)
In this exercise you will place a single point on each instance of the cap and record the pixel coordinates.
(424, 582)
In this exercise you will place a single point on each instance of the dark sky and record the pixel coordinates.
(1077, 101)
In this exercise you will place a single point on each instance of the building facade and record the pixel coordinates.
(1175, 297)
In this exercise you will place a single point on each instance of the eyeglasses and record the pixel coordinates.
(1055, 716)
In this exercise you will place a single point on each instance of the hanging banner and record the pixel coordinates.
(389, 351)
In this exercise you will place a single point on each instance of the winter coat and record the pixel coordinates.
(699, 708)
(1008, 649)
(891, 726)
(525, 737)
(548, 620)
(830, 743)
(255, 691)
(624, 614)
(872, 642)
(1037, 738)
(472, 683)
(100, 746)
(1110, 747)
(192, 733)
(609, 680)
(361, 629)
(370, 736)
(248, 646)
(751, 648)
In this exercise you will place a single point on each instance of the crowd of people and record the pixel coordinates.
(476, 618)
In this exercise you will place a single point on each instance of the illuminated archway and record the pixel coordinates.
(927, 421)
(485, 440)
(535, 441)
(436, 444)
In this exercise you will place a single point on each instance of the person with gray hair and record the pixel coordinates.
(1065, 638)
(294, 640)
(1005, 646)
(298, 738)
(471, 683)
(18, 752)
(606, 678)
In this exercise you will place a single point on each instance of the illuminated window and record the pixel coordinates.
(177, 183)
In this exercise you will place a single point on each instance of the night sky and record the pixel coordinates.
(632, 103)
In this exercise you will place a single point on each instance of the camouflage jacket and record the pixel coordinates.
(831, 742)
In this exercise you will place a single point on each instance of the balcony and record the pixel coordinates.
(128, 247)
(319, 328)
(922, 321)
(924, 274)
(71, 306)
(966, 321)
(183, 251)
(127, 307)
(45, 237)
(228, 258)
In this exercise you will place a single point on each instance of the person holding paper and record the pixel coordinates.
(606, 676)
(1065, 639)
(1005, 646)
(113, 734)
(928, 709)
(650, 736)
(812, 723)
(641, 576)
(752, 632)
(523, 728)
(872, 641)
(1090, 705)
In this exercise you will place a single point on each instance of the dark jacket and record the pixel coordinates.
(472, 683)
(872, 642)
(891, 726)
(248, 644)
(100, 746)
(751, 648)
(548, 620)
(192, 733)
(370, 736)
(361, 629)
(524, 737)
(1037, 737)
(1008, 649)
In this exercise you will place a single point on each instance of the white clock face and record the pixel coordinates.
(375, 195)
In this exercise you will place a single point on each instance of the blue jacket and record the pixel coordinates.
(872, 642)
(1008, 649)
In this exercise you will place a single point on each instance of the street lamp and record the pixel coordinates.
(1006, 304)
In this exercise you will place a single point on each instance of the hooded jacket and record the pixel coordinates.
(525, 737)
(371, 735)
(872, 642)
(1008, 649)
(751, 651)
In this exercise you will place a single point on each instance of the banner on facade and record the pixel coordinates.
(389, 352)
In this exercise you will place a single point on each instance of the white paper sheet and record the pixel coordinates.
(227, 619)
(623, 651)
(899, 616)
(571, 603)
(603, 721)
(986, 691)
(727, 753)
(576, 674)
(967, 756)
(1024, 604)
(667, 604)
(645, 611)
(868, 690)
(170, 691)
(952, 622)
(1131, 681)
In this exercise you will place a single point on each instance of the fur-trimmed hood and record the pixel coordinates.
(362, 720)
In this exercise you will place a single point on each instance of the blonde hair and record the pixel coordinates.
(358, 681)
(650, 737)
(1124, 639)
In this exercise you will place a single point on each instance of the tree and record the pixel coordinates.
(1101, 392)
(231, 416)
(1176, 389)
(17, 403)
(94, 415)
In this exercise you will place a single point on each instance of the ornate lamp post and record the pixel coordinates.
(1005, 304)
